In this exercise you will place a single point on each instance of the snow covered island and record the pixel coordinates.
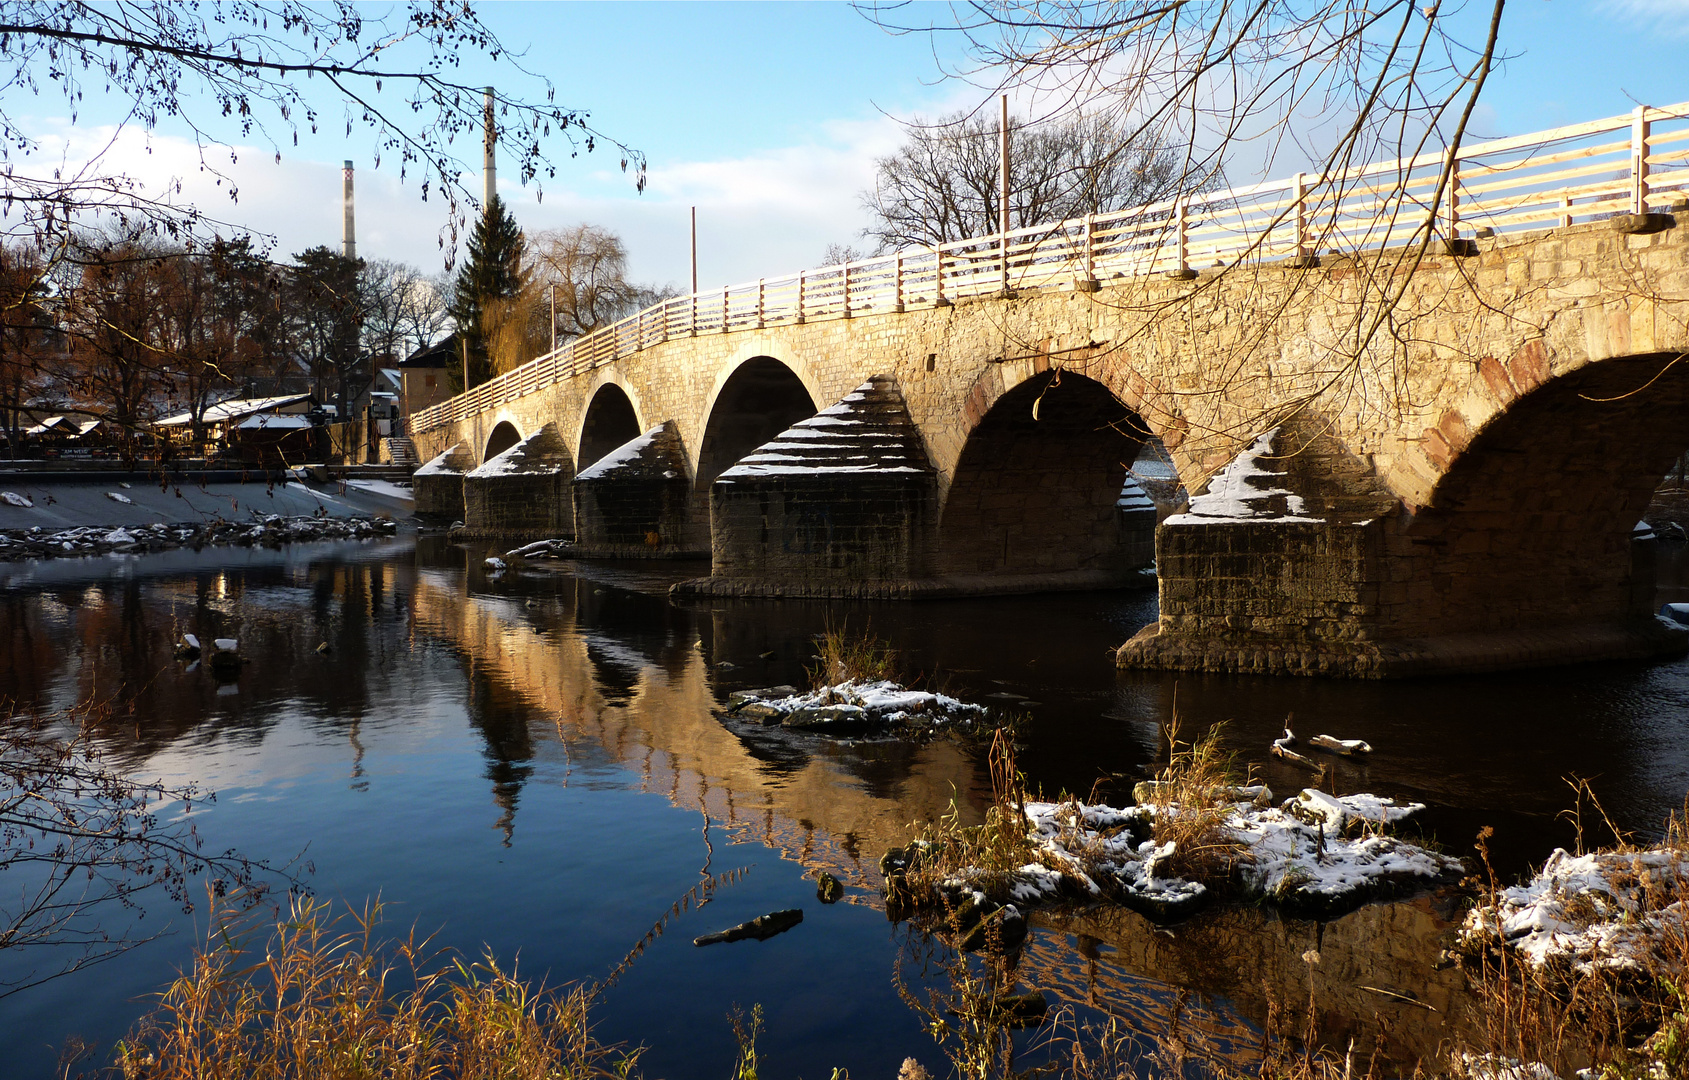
(1315, 856)
(855, 707)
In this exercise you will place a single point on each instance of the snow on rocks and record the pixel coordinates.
(119, 497)
(1600, 910)
(1302, 856)
(12, 498)
(852, 706)
(274, 530)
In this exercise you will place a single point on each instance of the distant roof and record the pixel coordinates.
(54, 423)
(442, 353)
(236, 408)
(274, 422)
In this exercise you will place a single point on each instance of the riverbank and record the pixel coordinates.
(58, 500)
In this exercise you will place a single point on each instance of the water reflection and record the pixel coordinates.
(536, 762)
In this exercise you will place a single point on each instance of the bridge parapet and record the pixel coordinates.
(1546, 179)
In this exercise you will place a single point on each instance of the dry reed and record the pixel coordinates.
(324, 998)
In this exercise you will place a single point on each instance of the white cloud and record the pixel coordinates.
(1669, 16)
(761, 214)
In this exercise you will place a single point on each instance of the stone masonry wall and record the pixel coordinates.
(1208, 364)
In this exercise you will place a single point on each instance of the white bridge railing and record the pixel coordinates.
(1625, 164)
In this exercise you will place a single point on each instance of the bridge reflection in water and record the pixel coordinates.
(597, 674)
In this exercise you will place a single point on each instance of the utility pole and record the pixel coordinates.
(1003, 169)
(489, 164)
(694, 249)
(554, 316)
(1003, 192)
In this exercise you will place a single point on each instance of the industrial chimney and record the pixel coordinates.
(489, 167)
(348, 234)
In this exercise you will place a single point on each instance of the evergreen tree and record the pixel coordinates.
(493, 271)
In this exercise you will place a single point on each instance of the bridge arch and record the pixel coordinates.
(503, 436)
(1037, 492)
(1531, 521)
(611, 417)
(755, 398)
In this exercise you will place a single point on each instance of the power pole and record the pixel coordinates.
(1003, 193)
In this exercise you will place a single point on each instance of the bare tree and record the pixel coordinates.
(403, 309)
(81, 840)
(115, 313)
(943, 184)
(239, 69)
(587, 265)
(1250, 89)
(839, 254)
(28, 336)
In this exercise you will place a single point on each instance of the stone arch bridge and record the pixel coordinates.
(1420, 436)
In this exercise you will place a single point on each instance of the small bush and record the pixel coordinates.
(845, 656)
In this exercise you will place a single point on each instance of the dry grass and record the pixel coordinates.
(990, 851)
(844, 655)
(324, 998)
(1619, 1022)
(1193, 796)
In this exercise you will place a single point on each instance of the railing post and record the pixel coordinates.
(692, 329)
(1301, 216)
(844, 290)
(938, 278)
(897, 281)
(1003, 257)
(724, 309)
(1090, 255)
(761, 295)
(1180, 222)
(1452, 231)
(1639, 160)
(801, 275)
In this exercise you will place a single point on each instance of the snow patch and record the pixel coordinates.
(1590, 911)
(1232, 496)
(621, 455)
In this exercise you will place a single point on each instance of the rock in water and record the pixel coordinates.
(761, 928)
(827, 888)
(225, 653)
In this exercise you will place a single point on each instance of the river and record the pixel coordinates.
(533, 764)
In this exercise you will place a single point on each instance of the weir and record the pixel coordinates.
(1457, 493)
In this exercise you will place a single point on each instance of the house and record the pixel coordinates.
(423, 379)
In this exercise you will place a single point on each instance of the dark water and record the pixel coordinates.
(533, 765)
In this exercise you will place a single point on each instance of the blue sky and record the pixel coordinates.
(768, 118)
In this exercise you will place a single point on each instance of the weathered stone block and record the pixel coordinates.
(438, 485)
(523, 491)
(633, 502)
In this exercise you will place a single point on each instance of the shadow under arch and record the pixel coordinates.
(1532, 524)
(611, 420)
(762, 398)
(1038, 494)
(503, 436)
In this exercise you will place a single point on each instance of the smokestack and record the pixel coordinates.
(348, 233)
(490, 167)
